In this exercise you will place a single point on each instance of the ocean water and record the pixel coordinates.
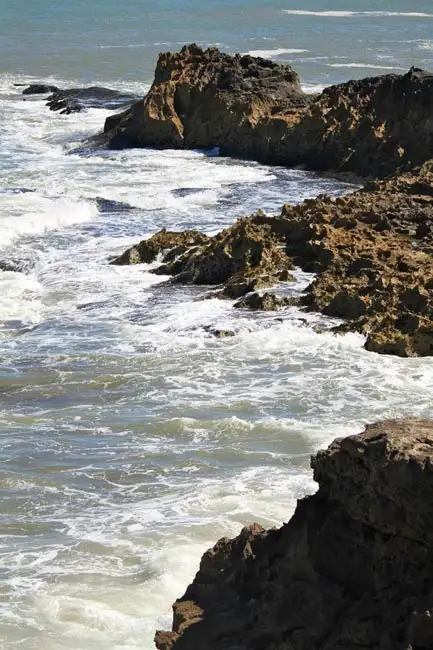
(131, 439)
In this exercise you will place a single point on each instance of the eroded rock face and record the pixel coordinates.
(253, 108)
(372, 127)
(204, 98)
(352, 569)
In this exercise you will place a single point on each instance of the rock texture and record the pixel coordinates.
(352, 569)
(253, 108)
(371, 251)
(204, 98)
(167, 243)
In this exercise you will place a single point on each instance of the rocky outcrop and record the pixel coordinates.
(39, 89)
(204, 98)
(371, 251)
(167, 243)
(253, 108)
(352, 569)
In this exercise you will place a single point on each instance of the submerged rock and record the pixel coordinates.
(352, 568)
(253, 108)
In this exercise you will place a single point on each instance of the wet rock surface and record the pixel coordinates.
(75, 100)
(253, 108)
(353, 568)
(39, 89)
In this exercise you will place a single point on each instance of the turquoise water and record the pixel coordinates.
(130, 438)
(88, 40)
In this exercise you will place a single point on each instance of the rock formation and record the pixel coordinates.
(253, 108)
(371, 251)
(352, 569)
(204, 98)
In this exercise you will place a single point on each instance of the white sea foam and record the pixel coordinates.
(133, 438)
(269, 54)
(349, 14)
(366, 66)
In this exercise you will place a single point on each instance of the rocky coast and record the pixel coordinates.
(353, 568)
(371, 250)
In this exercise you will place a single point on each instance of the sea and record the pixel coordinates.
(131, 439)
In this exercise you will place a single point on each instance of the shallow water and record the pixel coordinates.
(131, 438)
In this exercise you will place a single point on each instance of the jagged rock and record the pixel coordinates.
(205, 98)
(266, 302)
(253, 108)
(250, 249)
(164, 240)
(370, 270)
(74, 100)
(39, 89)
(352, 569)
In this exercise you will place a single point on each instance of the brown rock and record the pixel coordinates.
(253, 108)
(353, 567)
(265, 302)
(204, 98)
(164, 240)
(371, 273)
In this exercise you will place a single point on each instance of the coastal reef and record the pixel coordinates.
(371, 252)
(255, 109)
(353, 568)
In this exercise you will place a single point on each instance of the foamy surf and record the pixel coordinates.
(269, 54)
(349, 14)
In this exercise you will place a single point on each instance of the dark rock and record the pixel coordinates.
(109, 206)
(73, 100)
(39, 89)
(352, 569)
(266, 302)
(218, 333)
(16, 267)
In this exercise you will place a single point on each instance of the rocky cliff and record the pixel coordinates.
(253, 108)
(352, 569)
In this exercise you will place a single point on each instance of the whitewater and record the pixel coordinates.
(131, 438)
